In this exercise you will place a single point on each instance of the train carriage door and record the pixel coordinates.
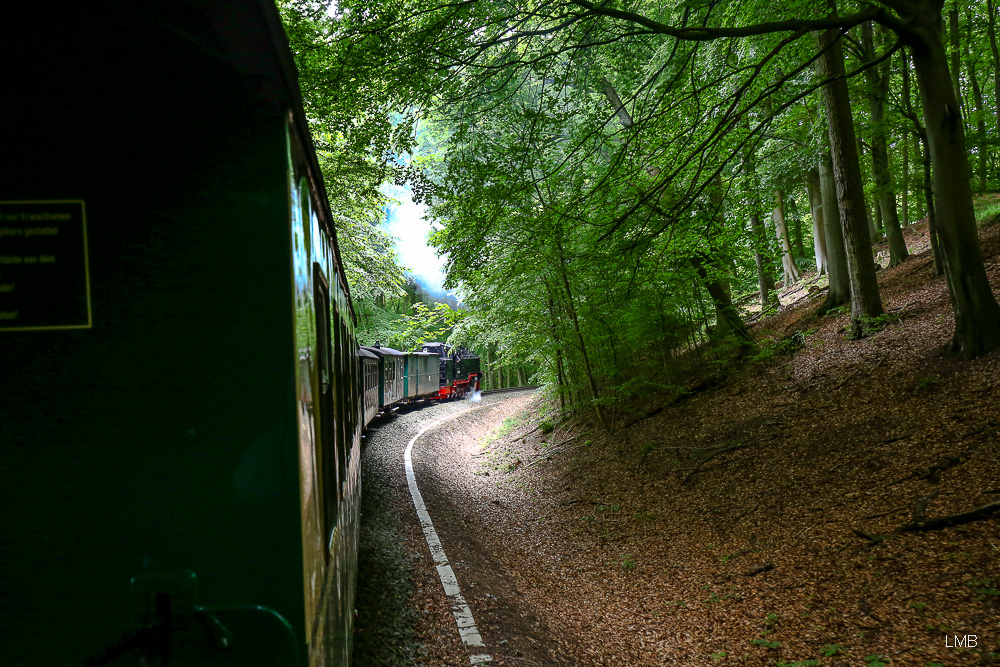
(327, 441)
(343, 391)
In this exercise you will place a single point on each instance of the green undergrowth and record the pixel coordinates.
(987, 210)
(769, 348)
(508, 426)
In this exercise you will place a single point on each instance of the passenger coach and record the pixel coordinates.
(180, 392)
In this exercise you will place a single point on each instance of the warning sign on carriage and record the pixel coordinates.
(44, 272)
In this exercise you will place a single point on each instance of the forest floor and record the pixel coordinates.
(751, 522)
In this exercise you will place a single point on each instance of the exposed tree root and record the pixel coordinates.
(708, 458)
(937, 523)
(921, 524)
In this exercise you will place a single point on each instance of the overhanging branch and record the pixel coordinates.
(702, 34)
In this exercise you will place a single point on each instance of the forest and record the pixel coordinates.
(713, 232)
(617, 184)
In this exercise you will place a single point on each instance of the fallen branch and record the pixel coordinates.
(893, 310)
(868, 536)
(708, 458)
(730, 557)
(761, 569)
(553, 450)
(919, 524)
(524, 437)
(937, 523)
(933, 473)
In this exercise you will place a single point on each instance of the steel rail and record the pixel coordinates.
(502, 391)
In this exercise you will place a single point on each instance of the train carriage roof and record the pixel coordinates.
(384, 351)
(249, 35)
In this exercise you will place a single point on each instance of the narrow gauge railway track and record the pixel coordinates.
(503, 391)
(405, 408)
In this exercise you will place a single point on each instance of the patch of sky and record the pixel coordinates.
(406, 221)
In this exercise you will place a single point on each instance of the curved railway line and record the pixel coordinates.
(488, 392)
(410, 538)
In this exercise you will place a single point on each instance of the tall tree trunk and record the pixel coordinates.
(561, 379)
(991, 29)
(906, 180)
(921, 148)
(725, 266)
(877, 79)
(765, 278)
(866, 303)
(956, 63)
(873, 231)
(761, 253)
(839, 292)
(977, 99)
(591, 382)
(800, 248)
(490, 368)
(791, 272)
(795, 227)
(977, 314)
(932, 223)
(816, 209)
(553, 321)
(720, 298)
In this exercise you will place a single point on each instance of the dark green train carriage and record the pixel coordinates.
(179, 390)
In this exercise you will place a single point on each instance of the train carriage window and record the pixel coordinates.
(306, 214)
(340, 397)
(326, 444)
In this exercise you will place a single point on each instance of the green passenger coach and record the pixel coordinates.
(180, 391)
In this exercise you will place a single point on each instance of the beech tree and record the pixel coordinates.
(877, 79)
(918, 25)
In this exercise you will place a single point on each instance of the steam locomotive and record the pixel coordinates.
(182, 395)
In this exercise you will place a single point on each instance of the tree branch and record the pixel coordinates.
(704, 34)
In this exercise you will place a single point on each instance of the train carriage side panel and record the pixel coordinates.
(411, 387)
(399, 362)
(369, 372)
(391, 368)
(430, 373)
(163, 437)
(407, 369)
(425, 372)
(190, 427)
(329, 436)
